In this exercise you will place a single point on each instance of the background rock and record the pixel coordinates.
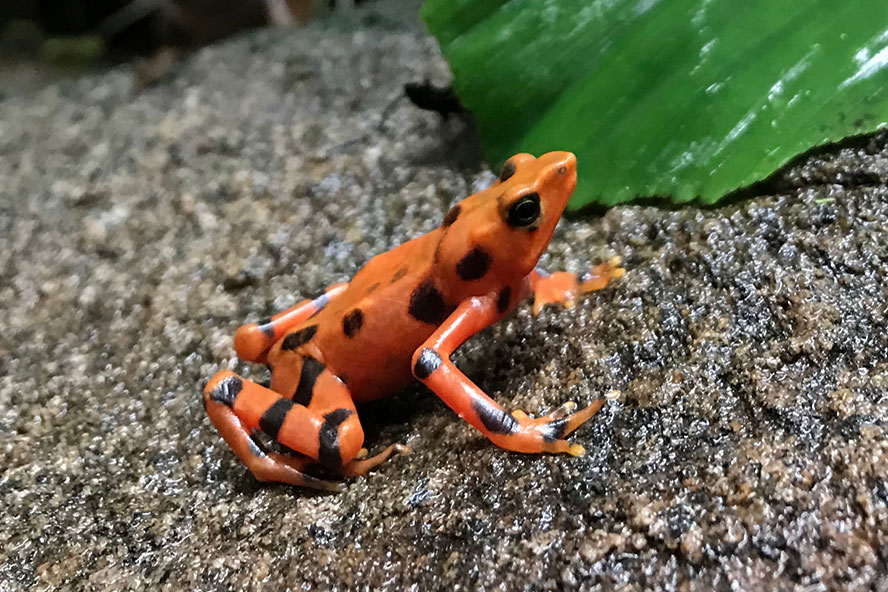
(748, 448)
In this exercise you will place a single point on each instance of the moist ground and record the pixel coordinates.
(748, 448)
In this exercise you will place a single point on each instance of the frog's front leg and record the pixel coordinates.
(326, 430)
(252, 341)
(564, 288)
(518, 432)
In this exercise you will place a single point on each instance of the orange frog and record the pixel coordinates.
(400, 319)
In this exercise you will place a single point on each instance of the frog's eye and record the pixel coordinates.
(525, 211)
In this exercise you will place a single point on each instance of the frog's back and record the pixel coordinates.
(367, 335)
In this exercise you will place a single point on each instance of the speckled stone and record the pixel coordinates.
(747, 451)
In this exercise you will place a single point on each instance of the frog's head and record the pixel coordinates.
(496, 236)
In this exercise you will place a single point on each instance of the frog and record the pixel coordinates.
(399, 320)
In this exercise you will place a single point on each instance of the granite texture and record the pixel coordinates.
(748, 449)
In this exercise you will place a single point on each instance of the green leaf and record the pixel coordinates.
(674, 98)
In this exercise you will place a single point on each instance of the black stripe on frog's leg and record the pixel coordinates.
(273, 418)
(555, 430)
(320, 303)
(495, 419)
(297, 338)
(255, 447)
(227, 390)
(267, 327)
(328, 438)
(311, 369)
(427, 362)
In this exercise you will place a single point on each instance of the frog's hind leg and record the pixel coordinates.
(223, 390)
(252, 341)
(326, 428)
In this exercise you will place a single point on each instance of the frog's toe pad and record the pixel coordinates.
(576, 450)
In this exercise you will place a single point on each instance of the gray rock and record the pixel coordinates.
(747, 451)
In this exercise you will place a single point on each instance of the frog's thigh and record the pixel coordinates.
(252, 341)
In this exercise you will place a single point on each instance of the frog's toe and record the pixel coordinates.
(601, 275)
(563, 447)
(561, 423)
(360, 466)
(563, 410)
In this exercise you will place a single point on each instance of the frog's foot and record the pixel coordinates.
(563, 410)
(564, 288)
(553, 428)
(361, 465)
(283, 466)
(519, 432)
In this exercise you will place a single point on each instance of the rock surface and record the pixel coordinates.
(748, 449)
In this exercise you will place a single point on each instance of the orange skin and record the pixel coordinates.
(399, 320)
